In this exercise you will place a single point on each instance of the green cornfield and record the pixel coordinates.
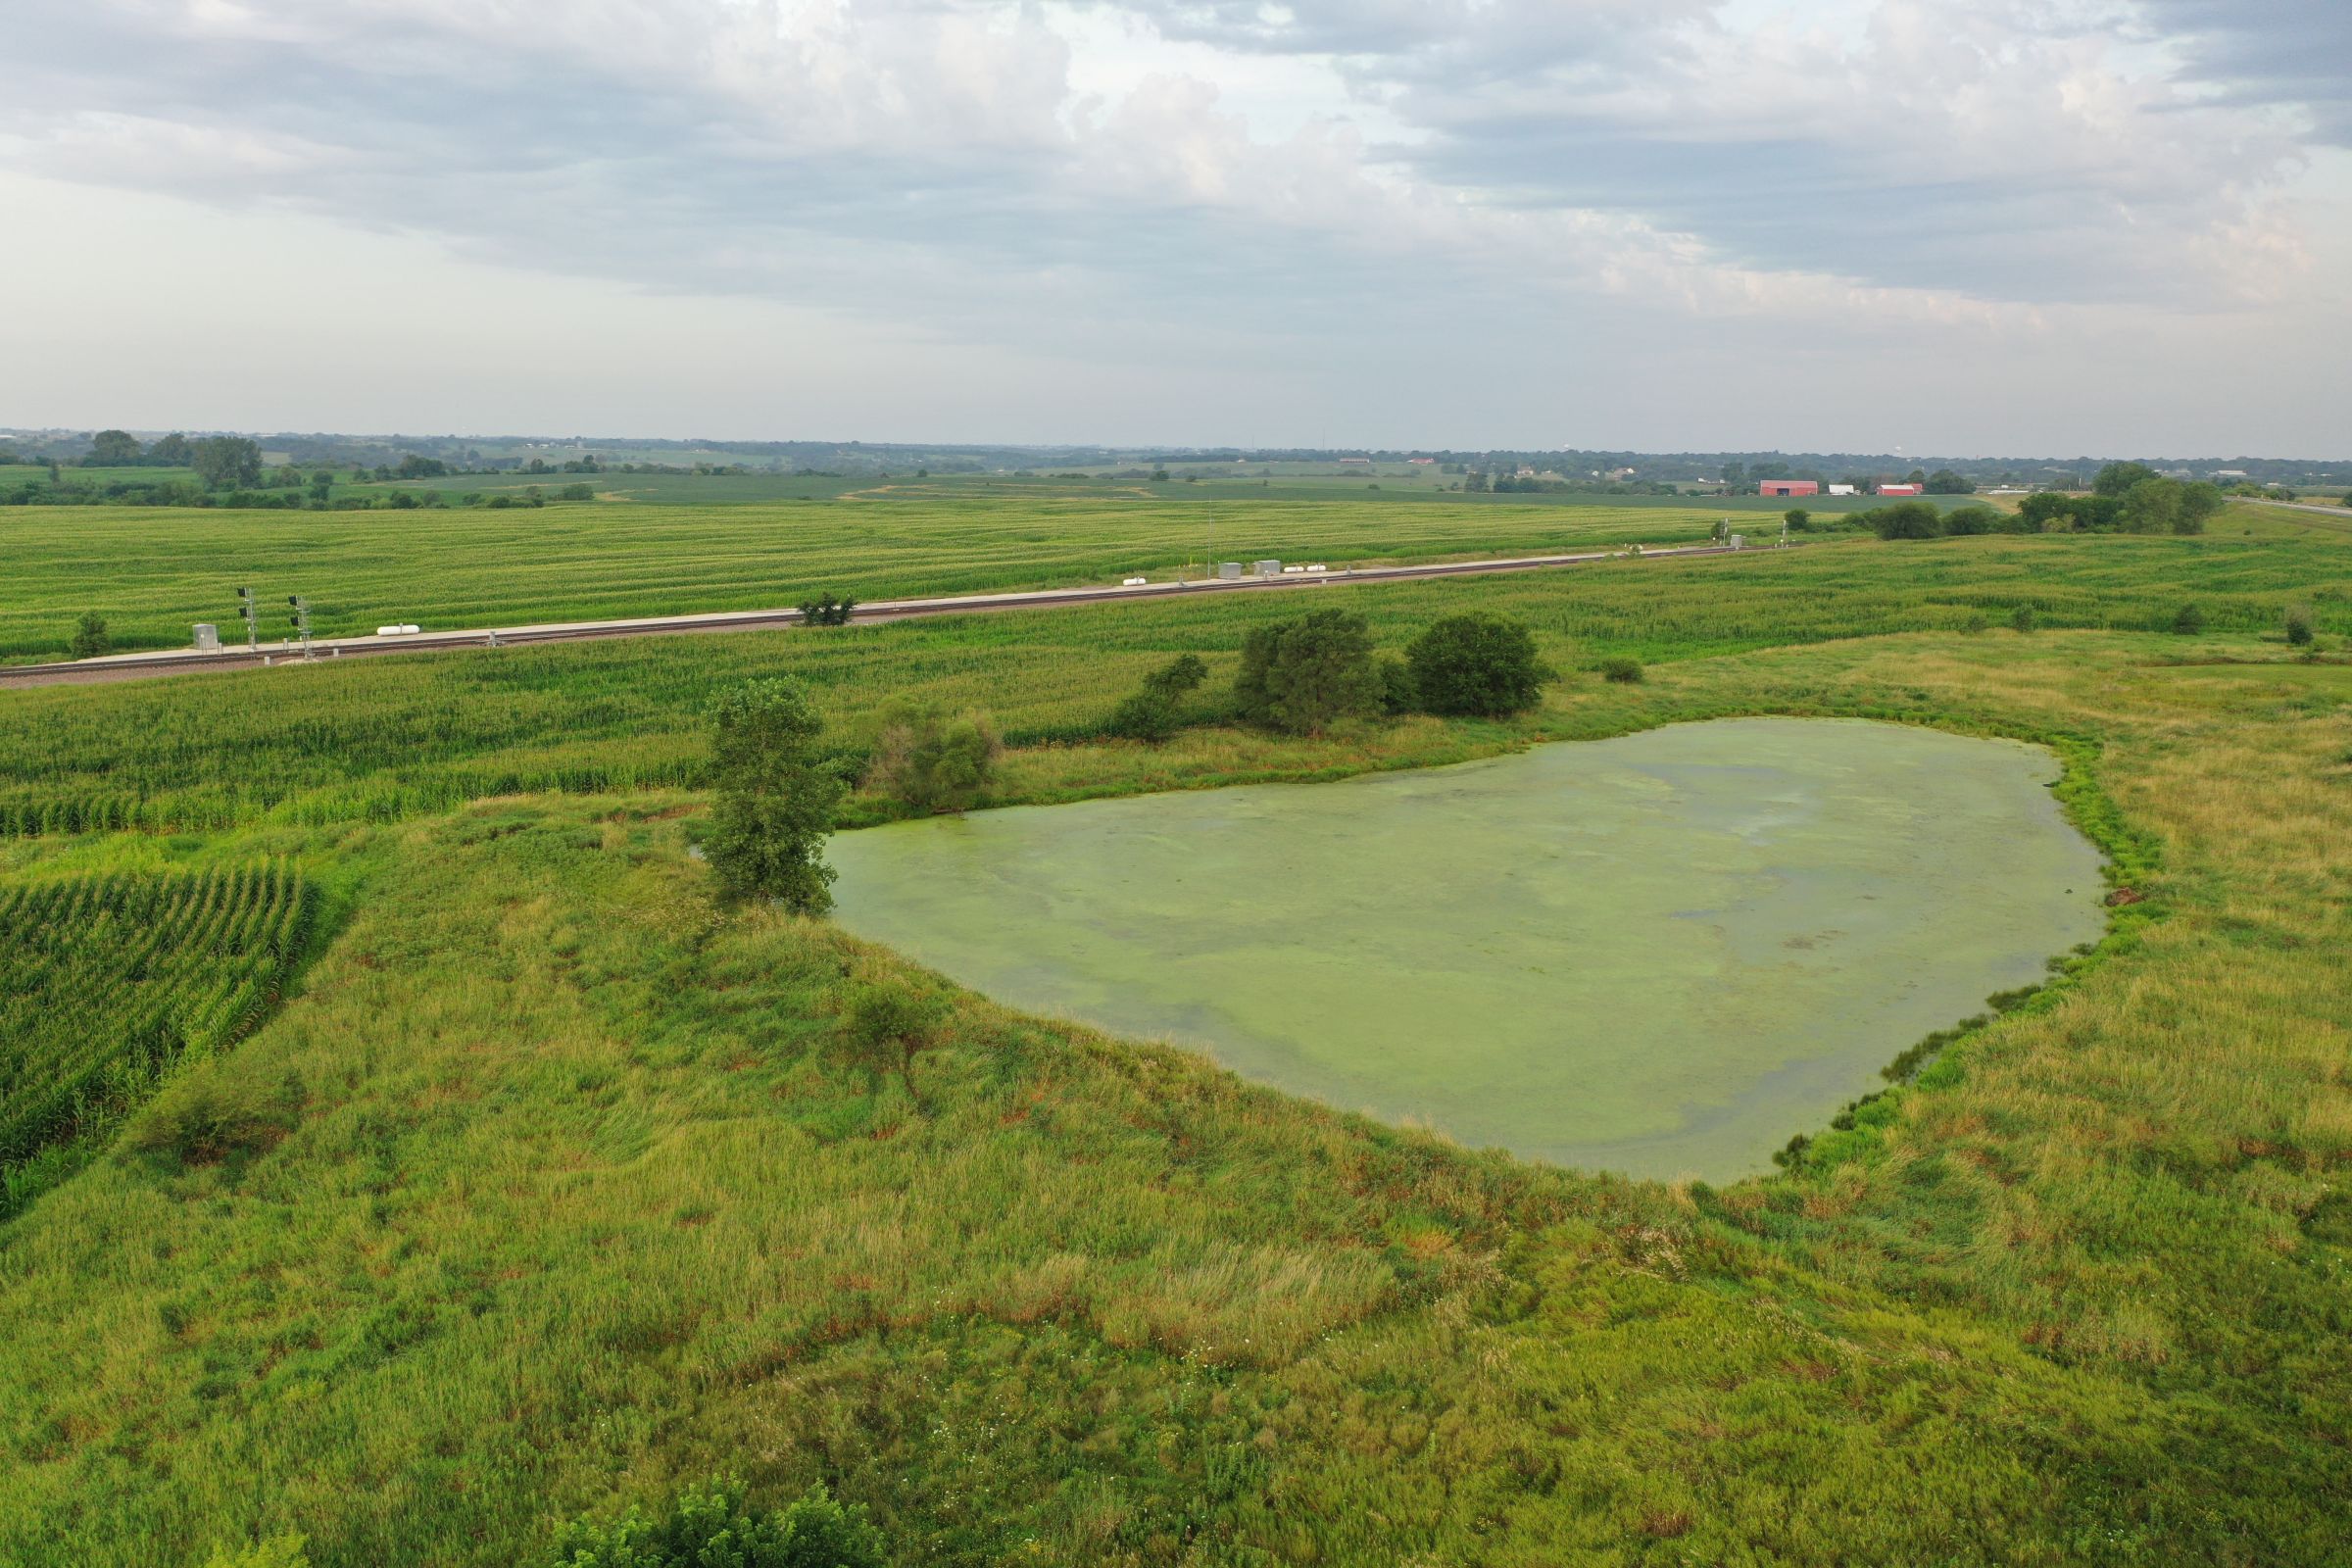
(113, 979)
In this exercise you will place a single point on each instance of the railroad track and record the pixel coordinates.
(133, 667)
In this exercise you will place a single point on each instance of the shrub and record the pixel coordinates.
(884, 1027)
(1156, 711)
(1905, 519)
(2188, 620)
(1625, 671)
(89, 636)
(1480, 664)
(929, 759)
(206, 1115)
(1967, 522)
(776, 798)
(1798, 519)
(275, 1551)
(716, 1529)
(1397, 693)
(1974, 623)
(827, 610)
(2298, 626)
(1305, 675)
(2022, 618)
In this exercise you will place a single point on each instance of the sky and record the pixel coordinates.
(1966, 227)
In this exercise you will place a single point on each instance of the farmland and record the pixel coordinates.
(153, 573)
(545, 1191)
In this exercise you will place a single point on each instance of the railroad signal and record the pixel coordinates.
(300, 619)
(252, 618)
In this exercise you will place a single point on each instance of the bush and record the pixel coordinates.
(2188, 620)
(776, 798)
(1625, 671)
(1798, 519)
(206, 1115)
(89, 637)
(1976, 623)
(1305, 675)
(884, 1027)
(1397, 693)
(1479, 665)
(929, 759)
(2298, 626)
(827, 610)
(1156, 711)
(1967, 522)
(2022, 618)
(275, 1551)
(1905, 519)
(716, 1529)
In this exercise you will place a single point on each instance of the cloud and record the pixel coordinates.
(1211, 177)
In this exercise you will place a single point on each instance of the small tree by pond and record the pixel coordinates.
(1156, 711)
(1305, 675)
(1480, 665)
(777, 797)
(884, 1027)
(930, 759)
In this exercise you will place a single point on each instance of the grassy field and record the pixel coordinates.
(544, 1192)
(153, 577)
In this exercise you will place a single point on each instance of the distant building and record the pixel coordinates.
(1420, 462)
(1366, 462)
(2230, 474)
(1790, 487)
(1842, 490)
(1525, 472)
(1901, 490)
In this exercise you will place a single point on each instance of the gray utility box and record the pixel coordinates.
(1230, 570)
(207, 637)
(1269, 568)
(1739, 541)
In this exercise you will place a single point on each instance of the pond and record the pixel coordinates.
(1660, 955)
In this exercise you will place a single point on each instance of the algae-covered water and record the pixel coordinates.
(1660, 955)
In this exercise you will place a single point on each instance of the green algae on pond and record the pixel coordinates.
(1660, 955)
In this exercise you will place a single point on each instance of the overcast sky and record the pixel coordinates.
(1954, 226)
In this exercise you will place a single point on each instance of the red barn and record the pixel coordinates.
(1900, 490)
(1790, 487)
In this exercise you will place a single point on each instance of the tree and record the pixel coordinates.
(2298, 626)
(1306, 674)
(1945, 482)
(2115, 480)
(776, 798)
(89, 636)
(2188, 620)
(1798, 519)
(171, 451)
(414, 467)
(929, 759)
(226, 461)
(1964, 521)
(713, 1527)
(2021, 618)
(112, 448)
(2153, 505)
(884, 1027)
(1482, 665)
(1905, 519)
(826, 610)
(1156, 711)
(2199, 502)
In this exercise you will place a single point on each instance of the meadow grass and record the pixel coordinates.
(548, 1191)
(545, 1188)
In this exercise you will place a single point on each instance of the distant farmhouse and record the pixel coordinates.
(1903, 490)
(1790, 487)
